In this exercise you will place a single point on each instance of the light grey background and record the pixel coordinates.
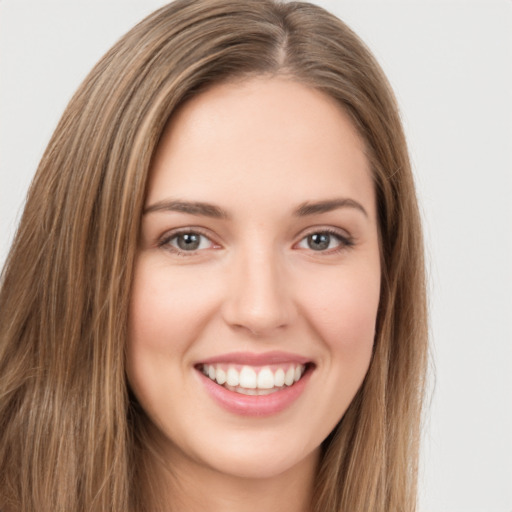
(450, 65)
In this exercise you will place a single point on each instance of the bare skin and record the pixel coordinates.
(259, 238)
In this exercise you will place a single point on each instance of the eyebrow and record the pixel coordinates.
(211, 210)
(329, 205)
(191, 207)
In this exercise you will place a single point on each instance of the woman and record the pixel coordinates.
(215, 299)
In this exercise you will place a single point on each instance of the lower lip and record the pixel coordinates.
(255, 405)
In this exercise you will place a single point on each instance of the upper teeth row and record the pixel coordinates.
(248, 378)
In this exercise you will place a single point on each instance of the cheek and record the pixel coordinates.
(342, 313)
(162, 324)
(158, 331)
(166, 310)
(344, 310)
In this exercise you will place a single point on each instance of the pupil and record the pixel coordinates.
(319, 241)
(188, 241)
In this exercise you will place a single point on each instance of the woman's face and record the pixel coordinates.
(259, 267)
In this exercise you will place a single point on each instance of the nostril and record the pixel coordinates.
(258, 331)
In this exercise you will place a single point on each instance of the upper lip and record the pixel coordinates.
(256, 359)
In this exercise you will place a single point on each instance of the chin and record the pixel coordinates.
(257, 464)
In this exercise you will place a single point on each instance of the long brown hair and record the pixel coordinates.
(69, 437)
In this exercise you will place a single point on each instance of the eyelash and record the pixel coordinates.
(166, 241)
(345, 242)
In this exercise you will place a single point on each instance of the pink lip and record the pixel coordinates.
(249, 405)
(253, 359)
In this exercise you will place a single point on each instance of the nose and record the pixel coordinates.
(258, 296)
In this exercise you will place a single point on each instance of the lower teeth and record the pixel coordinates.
(253, 392)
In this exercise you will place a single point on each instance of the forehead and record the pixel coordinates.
(263, 136)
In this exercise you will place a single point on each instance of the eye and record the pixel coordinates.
(187, 241)
(324, 241)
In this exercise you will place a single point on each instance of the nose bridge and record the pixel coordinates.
(258, 297)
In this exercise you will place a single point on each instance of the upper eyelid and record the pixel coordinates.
(342, 233)
(187, 229)
(346, 240)
(336, 231)
(169, 235)
(342, 239)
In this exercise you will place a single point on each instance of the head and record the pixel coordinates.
(68, 280)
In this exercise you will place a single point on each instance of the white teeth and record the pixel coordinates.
(249, 381)
(221, 376)
(265, 379)
(279, 378)
(232, 379)
(253, 392)
(248, 378)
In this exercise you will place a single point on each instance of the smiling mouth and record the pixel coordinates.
(255, 380)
